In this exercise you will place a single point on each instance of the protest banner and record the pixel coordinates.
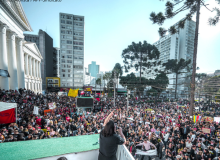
(47, 111)
(52, 105)
(206, 130)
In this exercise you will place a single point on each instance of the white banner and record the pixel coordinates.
(147, 153)
(35, 110)
(217, 119)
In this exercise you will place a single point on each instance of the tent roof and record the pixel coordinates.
(5, 106)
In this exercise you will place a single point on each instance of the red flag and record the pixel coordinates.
(7, 116)
(98, 99)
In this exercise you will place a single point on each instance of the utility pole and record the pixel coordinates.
(128, 94)
(114, 86)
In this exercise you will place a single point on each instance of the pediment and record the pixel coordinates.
(33, 47)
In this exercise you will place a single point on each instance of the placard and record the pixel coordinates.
(206, 130)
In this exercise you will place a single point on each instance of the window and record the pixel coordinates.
(69, 37)
(68, 56)
(68, 22)
(62, 16)
(64, 66)
(63, 75)
(69, 70)
(69, 61)
(63, 36)
(76, 19)
(63, 61)
(63, 51)
(68, 17)
(69, 42)
(69, 27)
(69, 47)
(62, 31)
(68, 66)
(69, 32)
(62, 41)
(70, 75)
(63, 56)
(63, 70)
(63, 46)
(63, 21)
(63, 27)
(69, 51)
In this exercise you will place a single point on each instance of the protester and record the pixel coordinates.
(164, 124)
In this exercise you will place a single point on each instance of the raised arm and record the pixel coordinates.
(108, 118)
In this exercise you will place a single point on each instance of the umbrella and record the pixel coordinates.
(159, 116)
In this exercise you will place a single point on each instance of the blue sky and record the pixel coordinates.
(110, 26)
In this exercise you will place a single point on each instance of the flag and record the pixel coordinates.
(7, 116)
(82, 93)
(52, 105)
(196, 118)
(98, 99)
(35, 110)
(73, 93)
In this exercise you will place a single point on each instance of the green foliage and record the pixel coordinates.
(98, 81)
(160, 83)
(175, 66)
(140, 56)
(152, 92)
(171, 11)
(131, 82)
(118, 70)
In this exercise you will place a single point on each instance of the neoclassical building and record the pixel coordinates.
(21, 59)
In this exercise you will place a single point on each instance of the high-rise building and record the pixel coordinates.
(56, 59)
(93, 69)
(71, 50)
(45, 45)
(177, 46)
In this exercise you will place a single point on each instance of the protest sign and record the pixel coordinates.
(206, 130)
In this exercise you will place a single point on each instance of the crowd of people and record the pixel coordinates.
(164, 126)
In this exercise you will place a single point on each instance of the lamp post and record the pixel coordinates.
(114, 86)
(128, 94)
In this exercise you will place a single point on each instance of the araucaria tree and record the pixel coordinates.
(141, 57)
(193, 6)
(177, 67)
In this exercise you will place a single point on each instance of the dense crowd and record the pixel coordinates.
(155, 125)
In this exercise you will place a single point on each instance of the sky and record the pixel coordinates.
(110, 26)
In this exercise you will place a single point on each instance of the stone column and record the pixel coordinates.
(37, 76)
(4, 82)
(12, 62)
(26, 65)
(20, 63)
(39, 69)
(30, 66)
(33, 63)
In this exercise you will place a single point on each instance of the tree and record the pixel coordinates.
(118, 70)
(99, 82)
(177, 67)
(132, 82)
(141, 57)
(106, 77)
(159, 84)
(194, 7)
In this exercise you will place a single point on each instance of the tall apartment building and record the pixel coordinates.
(45, 44)
(177, 46)
(71, 50)
(93, 69)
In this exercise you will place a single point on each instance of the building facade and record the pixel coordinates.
(45, 45)
(177, 46)
(14, 52)
(32, 65)
(71, 50)
(93, 69)
(57, 53)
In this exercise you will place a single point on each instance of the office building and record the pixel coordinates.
(56, 59)
(20, 59)
(93, 69)
(45, 45)
(177, 46)
(71, 50)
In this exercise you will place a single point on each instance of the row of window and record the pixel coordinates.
(70, 52)
(70, 47)
(71, 37)
(71, 42)
(70, 61)
(71, 17)
(70, 66)
(70, 57)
